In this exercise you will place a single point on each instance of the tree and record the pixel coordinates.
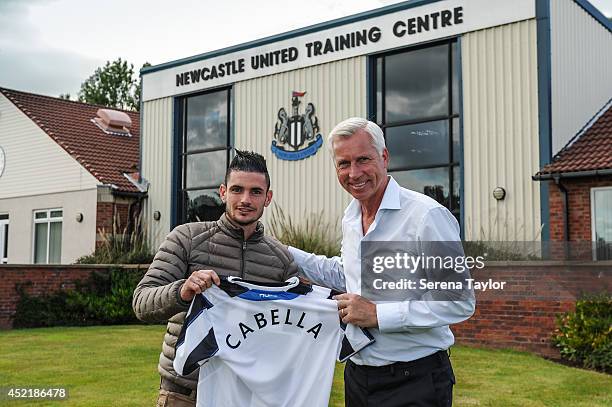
(138, 90)
(65, 96)
(113, 85)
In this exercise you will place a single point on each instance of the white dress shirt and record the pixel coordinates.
(407, 330)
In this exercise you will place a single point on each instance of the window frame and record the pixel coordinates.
(182, 154)
(593, 214)
(379, 112)
(4, 228)
(48, 220)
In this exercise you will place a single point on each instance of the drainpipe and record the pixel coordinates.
(566, 225)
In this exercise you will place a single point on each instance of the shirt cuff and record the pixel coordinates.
(390, 316)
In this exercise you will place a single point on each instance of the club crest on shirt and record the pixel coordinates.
(297, 136)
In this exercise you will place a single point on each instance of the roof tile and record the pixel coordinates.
(69, 124)
(591, 151)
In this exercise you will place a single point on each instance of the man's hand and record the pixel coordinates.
(197, 283)
(356, 310)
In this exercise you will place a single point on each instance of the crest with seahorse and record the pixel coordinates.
(291, 133)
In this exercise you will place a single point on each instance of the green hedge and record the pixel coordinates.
(105, 298)
(585, 335)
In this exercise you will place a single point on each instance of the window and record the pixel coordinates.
(417, 106)
(204, 147)
(601, 222)
(48, 236)
(4, 229)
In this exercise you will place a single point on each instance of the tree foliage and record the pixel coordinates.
(114, 85)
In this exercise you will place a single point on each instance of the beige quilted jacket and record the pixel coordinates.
(219, 246)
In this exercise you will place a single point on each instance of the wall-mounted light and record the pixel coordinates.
(156, 215)
(499, 193)
(79, 217)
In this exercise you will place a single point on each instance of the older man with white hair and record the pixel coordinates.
(408, 365)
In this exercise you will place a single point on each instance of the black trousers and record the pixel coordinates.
(426, 382)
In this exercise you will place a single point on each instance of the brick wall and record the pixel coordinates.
(44, 279)
(523, 315)
(579, 194)
(106, 213)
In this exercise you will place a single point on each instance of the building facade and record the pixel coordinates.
(580, 187)
(63, 178)
(472, 96)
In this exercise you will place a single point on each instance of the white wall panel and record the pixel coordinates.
(501, 132)
(581, 69)
(35, 163)
(156, 135)
(338, 91)
(78, 238)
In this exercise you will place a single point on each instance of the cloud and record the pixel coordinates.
(14, 25)
(30, 65)
(49, 72)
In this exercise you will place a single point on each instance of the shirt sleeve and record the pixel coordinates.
(196, 342)
(324, 271)
(437, 225)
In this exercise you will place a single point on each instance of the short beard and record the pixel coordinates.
(237, 222)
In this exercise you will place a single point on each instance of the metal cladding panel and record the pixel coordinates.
(338, 91)
(500, 134)
(156, 133)
(581, 69)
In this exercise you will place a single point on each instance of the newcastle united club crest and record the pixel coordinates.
(297, 136)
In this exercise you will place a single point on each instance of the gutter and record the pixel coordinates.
(129, 193)
(576, 174)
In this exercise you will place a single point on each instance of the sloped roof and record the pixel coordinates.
(589, 150)
(107, 157)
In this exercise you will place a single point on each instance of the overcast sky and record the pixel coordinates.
(51, 46)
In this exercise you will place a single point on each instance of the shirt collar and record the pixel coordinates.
(391, 200)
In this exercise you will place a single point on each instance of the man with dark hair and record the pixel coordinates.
(248, 161)
(193, 256)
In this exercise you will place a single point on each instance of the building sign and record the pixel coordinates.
(413, 25)
(297, 136)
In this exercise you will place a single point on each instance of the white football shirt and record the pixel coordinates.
(265, 344)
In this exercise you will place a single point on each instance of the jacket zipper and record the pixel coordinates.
(244, 247)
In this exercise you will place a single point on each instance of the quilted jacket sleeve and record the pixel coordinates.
(156, 298)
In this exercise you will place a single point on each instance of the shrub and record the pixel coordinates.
(120, 248)
(498, 251)
(104, 299)
(584, 336)
(313, 234)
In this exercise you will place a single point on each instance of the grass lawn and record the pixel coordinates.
(116, 366)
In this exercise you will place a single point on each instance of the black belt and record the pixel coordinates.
(437, 359)
(174, 388)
